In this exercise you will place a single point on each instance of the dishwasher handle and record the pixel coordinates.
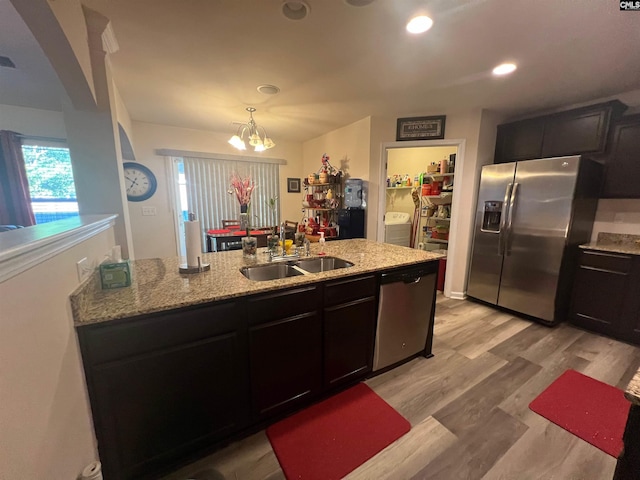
(409, 278)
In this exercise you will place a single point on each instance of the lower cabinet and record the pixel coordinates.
(285, 350)
(165, 386)
(605, 294)
(170, 386)
(349, 329)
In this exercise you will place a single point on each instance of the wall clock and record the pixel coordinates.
(140, 182)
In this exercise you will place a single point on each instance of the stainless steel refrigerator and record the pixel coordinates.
(530, 218)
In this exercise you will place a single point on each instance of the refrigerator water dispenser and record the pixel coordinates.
(492, 216)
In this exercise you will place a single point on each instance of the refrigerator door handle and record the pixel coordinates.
(512, 204)
(503, 219)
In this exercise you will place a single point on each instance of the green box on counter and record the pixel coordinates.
(115, 275)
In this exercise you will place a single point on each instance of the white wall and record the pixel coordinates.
(45, 419)
(32, 121)
(154, 236)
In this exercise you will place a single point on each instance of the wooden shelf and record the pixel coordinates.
(401, 188)
(438, 175)
(320, 209)
(442, 199)
(435, 240)
(320, 184)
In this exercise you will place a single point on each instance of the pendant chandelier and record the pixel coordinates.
(258, 142)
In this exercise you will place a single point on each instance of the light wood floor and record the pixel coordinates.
(468, 405)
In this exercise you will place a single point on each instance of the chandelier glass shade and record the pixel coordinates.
(252, 133)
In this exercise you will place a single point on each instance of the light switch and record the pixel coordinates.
(148, 211)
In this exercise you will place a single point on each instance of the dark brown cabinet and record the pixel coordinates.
(165, 386)
(582, 130)
(605, 294)
(349, 327)
(622, 174)
(285, 350)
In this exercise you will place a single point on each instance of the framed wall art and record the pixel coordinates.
(293, 185)
(421, 128)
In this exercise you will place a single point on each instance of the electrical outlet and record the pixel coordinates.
(84, 268)
(148, 211)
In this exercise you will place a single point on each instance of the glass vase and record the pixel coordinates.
(249, 247)
(272, 243)
(244, 218)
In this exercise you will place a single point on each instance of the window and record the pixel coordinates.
(53, 193)
(203, 184)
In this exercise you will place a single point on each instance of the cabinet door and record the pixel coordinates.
(519, 140)
(286, 363)
(600, 291)
(285, 349)
(577, 131)
(164, 385)
(631, 311)
(154, 408)
(348, 341)
(622, 177)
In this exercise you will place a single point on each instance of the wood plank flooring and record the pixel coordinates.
(468, 405)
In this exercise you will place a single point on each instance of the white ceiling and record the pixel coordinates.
(197, 63)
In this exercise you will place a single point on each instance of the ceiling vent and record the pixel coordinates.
(358, 3)
(6, 62)
(295, 10)
(268, 89)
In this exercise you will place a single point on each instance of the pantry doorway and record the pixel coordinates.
(432, 223)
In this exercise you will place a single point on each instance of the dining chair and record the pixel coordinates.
(231, 224)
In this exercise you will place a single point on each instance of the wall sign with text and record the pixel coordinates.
(421, 128)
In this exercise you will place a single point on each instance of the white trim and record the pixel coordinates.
(25, 248)
(457, 295)
(219, 156)
(460, 143)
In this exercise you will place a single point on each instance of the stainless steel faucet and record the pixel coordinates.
(282, 238)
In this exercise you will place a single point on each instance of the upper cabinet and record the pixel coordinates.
(622, 174)
(582, 130)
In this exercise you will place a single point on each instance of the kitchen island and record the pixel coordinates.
(178, 365)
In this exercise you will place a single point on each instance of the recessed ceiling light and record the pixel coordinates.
(504, 69)
(268, 89)
(419, 24)
(295, 10)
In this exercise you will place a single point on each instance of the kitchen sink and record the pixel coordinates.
(274, 271)
(271, 271)
(322, 264)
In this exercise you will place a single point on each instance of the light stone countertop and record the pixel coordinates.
(157, 284)
(615, 243)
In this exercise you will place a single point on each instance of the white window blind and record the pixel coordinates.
(208, 182)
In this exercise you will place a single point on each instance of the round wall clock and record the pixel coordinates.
(140, 182)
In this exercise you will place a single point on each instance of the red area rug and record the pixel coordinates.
(592, 410)
(330, 439)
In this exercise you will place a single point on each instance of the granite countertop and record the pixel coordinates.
(616, 243)
(157, 284)
(633, 389)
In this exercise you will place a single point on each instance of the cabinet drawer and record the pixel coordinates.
(610, 262)
(342, 291)
(265, 308)
(111, 341)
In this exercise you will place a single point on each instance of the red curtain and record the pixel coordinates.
(15, 200)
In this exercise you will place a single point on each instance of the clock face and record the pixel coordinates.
(140, 182)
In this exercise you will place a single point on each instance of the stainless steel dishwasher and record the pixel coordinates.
(405, 314)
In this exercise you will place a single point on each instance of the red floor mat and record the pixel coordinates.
(330, 439)
(592, 410)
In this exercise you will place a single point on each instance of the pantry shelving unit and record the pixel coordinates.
(319, 204)
(435, 214)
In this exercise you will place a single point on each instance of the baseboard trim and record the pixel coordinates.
(458, 295)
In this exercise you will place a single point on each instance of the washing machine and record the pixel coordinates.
(397, 228)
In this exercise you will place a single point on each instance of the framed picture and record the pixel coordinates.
(293, 185)
(420, 128)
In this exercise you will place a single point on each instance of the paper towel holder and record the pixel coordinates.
(202, 267)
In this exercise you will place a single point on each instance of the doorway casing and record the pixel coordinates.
(382, 197)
